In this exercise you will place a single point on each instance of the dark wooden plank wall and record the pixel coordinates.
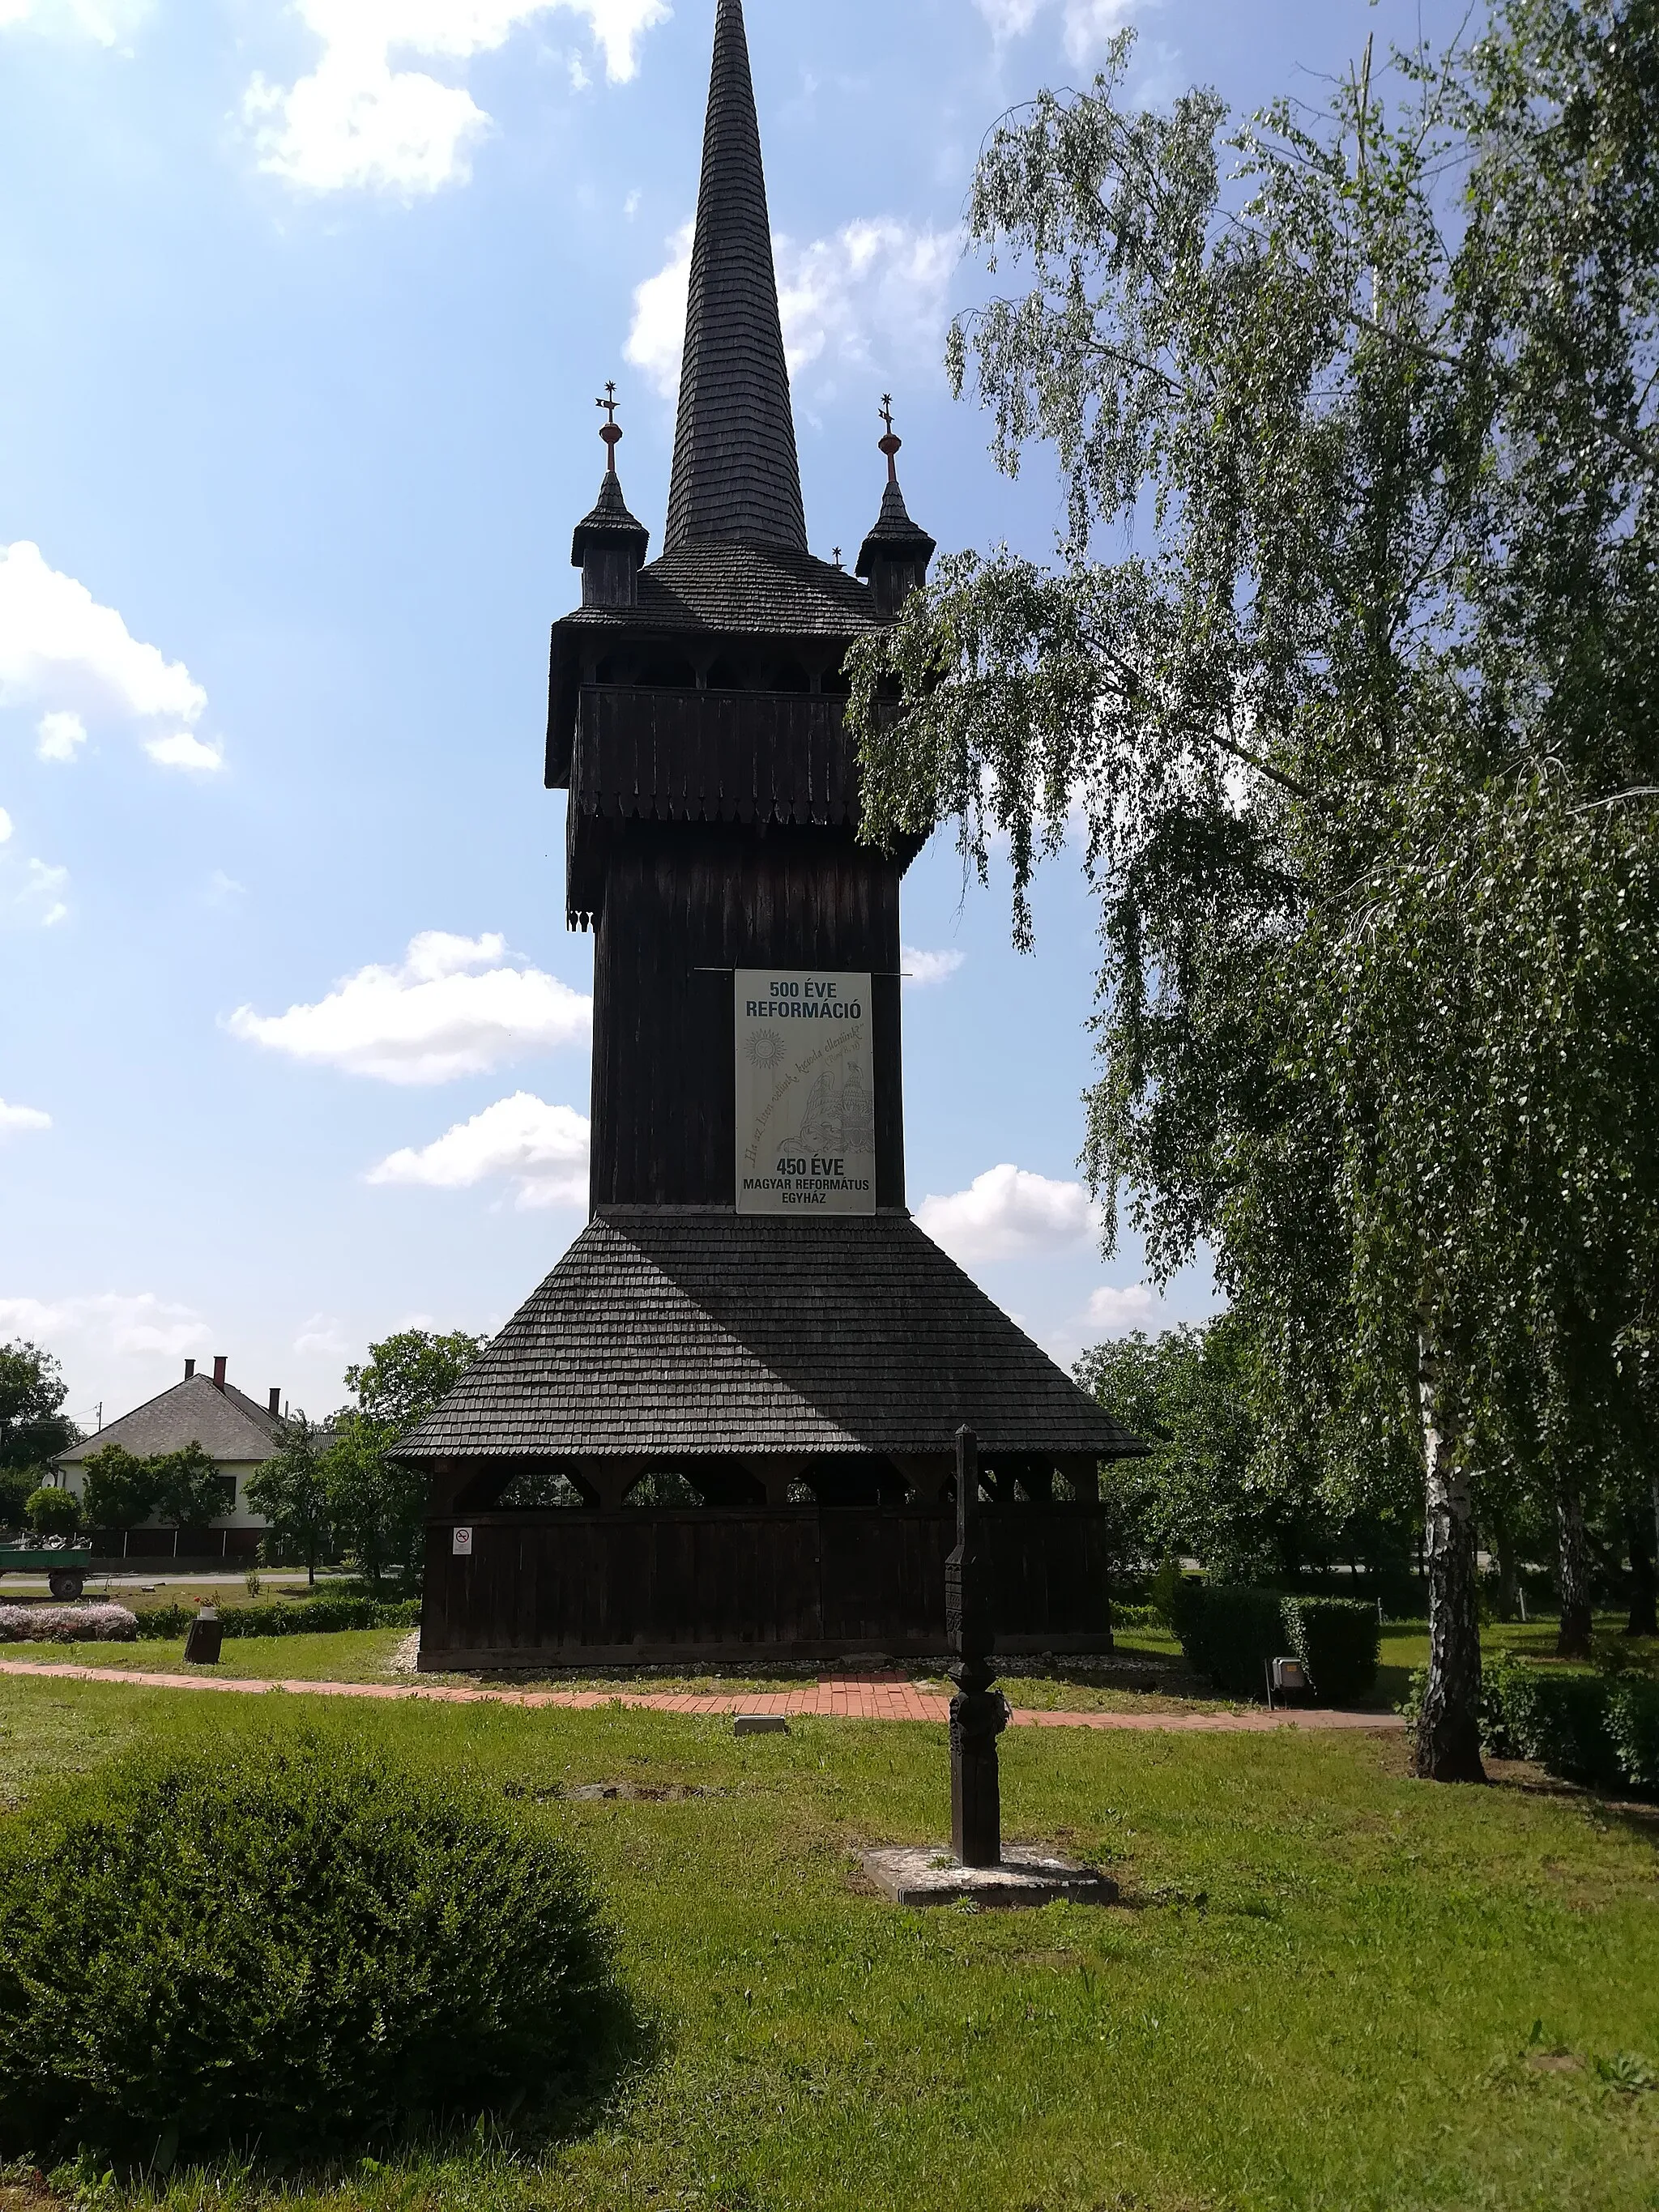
(566, 1588)
(684, 907)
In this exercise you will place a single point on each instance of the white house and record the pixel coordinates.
(237, 1433)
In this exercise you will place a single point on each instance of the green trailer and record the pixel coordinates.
(65, 1568)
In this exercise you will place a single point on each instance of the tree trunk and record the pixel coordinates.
(1448, 1746)
(1642, 1593)
(1508, 1568)
(1573, 1555)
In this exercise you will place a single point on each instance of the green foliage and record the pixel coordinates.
(120, 1489)
(33, 1428)
(319, 1616)
(49, 1512)
(375, 1508)
(1338, 1642)
(1164, 1591)
(1365, 726)
(816, 2053)
(291, 1491)
(282, 1944)
(1633, 1726)
(1597, 1730)
(1229, 1633)
(183, 1488)
(1215, 1484)
(188, 1490)
(409, 1375)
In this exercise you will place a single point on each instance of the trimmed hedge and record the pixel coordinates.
(1339, 1641)
(1230, 1633)
(1599, 1731)
(317, 1616)
(296, 1947)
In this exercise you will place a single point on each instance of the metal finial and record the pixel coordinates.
(836, 550)
(611, 432)
(889, 445)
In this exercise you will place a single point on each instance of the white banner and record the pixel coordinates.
(807, 1092)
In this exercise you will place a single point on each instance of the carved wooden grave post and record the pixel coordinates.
(978, 1713)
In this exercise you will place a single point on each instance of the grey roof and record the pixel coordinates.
(740, 589)
(675, 1334)
(735, 474)
(895, 532)
(229, 1426)
(608, 519)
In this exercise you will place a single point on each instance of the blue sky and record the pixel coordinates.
(307, 307)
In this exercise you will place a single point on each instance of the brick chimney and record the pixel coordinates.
(219, 1366)
(275, 1400)
(190, 1369)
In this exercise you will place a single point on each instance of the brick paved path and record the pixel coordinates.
(838, 1697)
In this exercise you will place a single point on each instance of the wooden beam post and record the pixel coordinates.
(978, 1713)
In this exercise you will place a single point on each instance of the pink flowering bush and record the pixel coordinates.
(67, 1624)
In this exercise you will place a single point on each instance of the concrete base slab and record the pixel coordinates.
(1027, 1876)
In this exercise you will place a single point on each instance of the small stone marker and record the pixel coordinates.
(920, 1876)
(205, 1639)
(760, 1724)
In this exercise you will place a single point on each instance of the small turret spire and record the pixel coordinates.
(610, 545)
(896, 554)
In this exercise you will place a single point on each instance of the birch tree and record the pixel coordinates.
(1347, 658)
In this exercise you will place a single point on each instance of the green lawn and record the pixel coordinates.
(1326, 1987)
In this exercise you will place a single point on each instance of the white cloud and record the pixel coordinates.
(321, 1337)
(1007, 1212)
(15, 1119)
(454, 1007)
(141, 1327)
(923, 968)
(357, 122)
(105, 20)
(58, 646)
(186, 750)
(543, 1148)
(32, 893)
(876, 289)
(1086, 26)
(58, 735)
(1120, 1312)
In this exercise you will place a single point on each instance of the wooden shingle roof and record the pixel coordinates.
(736, 473)
(676, 1333)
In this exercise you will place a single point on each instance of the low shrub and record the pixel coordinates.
(1603, 1734)
(1228, 1632)
(1339, 1641)
(51, 1512)
(291, 1945)
(1632, 1725)
(67, 1624)
(317, 1616)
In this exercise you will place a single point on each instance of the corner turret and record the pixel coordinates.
(894, 555)
(610, 545)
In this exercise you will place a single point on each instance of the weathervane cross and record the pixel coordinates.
(889, 445)
(611, 432)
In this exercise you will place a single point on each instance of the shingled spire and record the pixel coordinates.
(736, 475)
